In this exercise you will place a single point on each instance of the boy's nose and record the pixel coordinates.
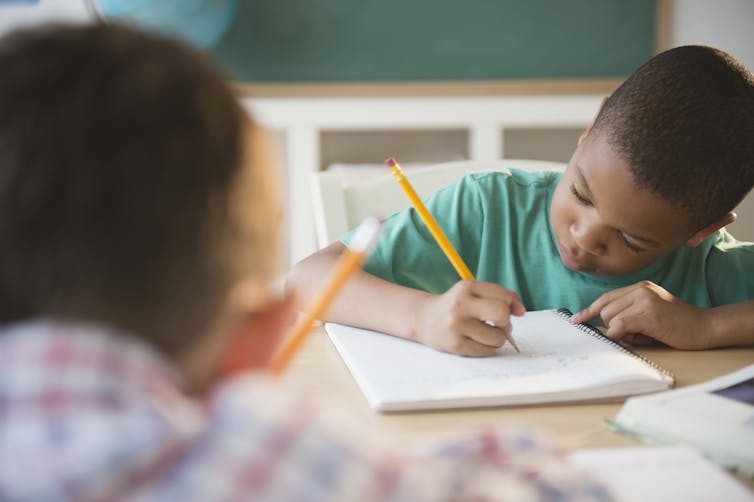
(589, 236)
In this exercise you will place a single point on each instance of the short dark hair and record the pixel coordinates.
(684, 122)
(118, 152)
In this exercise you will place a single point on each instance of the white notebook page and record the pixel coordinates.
(558, 362)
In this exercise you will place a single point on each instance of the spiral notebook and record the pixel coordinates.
(559, 362)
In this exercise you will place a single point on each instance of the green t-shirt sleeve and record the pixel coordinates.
(730, 271)
(408, 255)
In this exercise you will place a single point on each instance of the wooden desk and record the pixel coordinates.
(319, 366)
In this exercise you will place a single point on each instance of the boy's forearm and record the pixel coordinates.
(732, 324)
(365, 300)
(373, 303)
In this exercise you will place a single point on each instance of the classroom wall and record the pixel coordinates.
(726, 24)
(18, 14)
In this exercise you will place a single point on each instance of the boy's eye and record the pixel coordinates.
(580, 197)
(629, 245)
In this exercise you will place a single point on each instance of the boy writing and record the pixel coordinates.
(137, 241)
(632, 232)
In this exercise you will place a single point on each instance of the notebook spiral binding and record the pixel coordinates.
(566, 314)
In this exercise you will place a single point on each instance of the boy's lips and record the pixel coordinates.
(570, 261)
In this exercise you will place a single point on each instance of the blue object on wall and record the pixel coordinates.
(200, 23)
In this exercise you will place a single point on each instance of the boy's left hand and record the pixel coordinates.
(644, 312)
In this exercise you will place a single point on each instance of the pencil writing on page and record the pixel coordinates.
(435, 230)
(353, 257)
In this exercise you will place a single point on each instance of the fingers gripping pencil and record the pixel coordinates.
(435, 230)
(362, 243)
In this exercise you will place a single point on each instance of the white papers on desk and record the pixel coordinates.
(660, 474)
(716, 417)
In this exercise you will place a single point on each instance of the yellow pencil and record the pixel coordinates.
(352, 258)
(434, 228)
(429, 220)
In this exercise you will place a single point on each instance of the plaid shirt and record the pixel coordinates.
(90, 414)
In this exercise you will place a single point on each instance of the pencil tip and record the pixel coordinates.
(391, 162)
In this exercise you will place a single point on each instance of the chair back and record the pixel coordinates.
(341, 203)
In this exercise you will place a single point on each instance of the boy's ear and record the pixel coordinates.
(255, 335)
(710, 229)
(591, 124)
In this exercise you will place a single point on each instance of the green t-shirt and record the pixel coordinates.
(499, 222)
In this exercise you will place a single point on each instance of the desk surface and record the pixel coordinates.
(318, 365)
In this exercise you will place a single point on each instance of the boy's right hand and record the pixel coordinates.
(470, 319)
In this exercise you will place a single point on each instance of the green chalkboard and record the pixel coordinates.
(405, 40)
